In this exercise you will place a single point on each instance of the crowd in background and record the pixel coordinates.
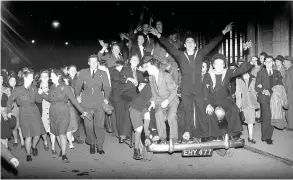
(138, 84)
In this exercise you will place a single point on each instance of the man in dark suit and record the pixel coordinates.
(115, 98)
(139, 48)
(265, 80)
(129, 79)
(94, 81)
(190, 62)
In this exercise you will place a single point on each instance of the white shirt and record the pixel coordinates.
(141, 50)
(270, 71)
(103, 68)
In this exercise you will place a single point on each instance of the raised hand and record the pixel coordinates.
(154, 31)
(228, 28)
(247, 45)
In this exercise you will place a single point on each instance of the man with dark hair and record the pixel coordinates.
(164, 99)
(262, 58)
(215, 87)
(130, 77)
(191, 86)
(96, 91)
(266, 79)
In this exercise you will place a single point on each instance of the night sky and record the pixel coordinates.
(88, 20)
(82, 23)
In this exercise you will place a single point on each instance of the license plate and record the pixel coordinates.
(197, 152)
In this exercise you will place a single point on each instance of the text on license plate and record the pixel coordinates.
(197, 152)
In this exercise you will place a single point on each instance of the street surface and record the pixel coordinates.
(118, 163)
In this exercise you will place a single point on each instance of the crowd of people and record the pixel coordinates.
(145, 84)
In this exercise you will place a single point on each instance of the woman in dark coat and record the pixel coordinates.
(29, 114)
(12, 81)
(59, 113)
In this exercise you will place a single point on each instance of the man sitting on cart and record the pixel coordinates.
(215, 86)
(164, 99)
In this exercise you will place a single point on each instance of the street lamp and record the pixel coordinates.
(33, 41)
(55, 24)
(66, 43)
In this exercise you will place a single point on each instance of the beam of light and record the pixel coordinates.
(11, 28)
(11, 15)
(7, 34)
(5, 41)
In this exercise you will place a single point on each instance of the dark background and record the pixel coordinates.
(82, 23)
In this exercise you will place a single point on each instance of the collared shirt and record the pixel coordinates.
(270, 71)
(141, 50)
(103, 68)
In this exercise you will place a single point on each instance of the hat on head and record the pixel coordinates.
(280, 58)
(288, 58)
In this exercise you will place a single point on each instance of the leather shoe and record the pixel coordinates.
(34, 151)
(252, 141)
(29, 158)
(100, 151)
(137, 155)
(92, 149)
(78, 141)
(269, 141)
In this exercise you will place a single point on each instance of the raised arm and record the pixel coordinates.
(170, 47)
(211, 45)
(246, 66)
(71, 97)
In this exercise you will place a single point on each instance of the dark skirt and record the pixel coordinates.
(30, 121)
(59, 118)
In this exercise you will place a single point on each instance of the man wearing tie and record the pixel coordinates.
(129, 79)
(96, 91)
(139, 48)
(266, 79)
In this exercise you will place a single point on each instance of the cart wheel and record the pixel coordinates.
(221, 152)
(230, 152)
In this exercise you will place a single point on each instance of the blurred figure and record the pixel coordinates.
(12, 81)
(288, 83)
(7, 155)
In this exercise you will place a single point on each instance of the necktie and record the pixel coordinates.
(93, 74)
(134, 73)
(270, 72)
